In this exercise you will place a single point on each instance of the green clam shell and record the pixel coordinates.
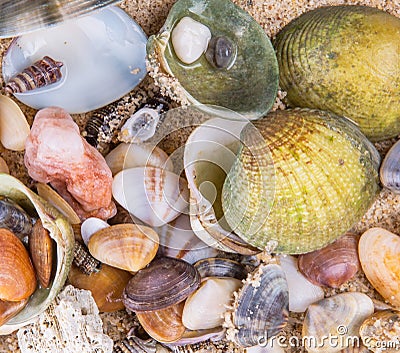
(249, 87)
(311, 180)
(344, 59)
(60, 231)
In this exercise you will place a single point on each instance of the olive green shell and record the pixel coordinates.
(249, 87)
(60, 231)
(311, 180)
(344, 59)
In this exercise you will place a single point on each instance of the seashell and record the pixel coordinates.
(134, 344)
(126, 156)
(205, 307)
(17, 276)
(248, 85)
(41, 251)
(302, 292)
(163, 325)
(379, 250)
(190, 39)
(283, 172)
(10, 309)
(221, 52)
(14, 129)
(390, 170)
(4, 167)
(325, 64)
(90, 226)
(125, 246)
(165, 282)
(43, 72)
(380, 332)
(332, 265)
(340, 315)
(220, 267)
(14, 218)
(60, 232)
(261, 307)
(106, 285)
(157, 198)
(193, 338)
(86, 263)
(116, 46)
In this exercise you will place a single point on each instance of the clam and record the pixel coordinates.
(332, 265)
(205, 307)
(220, 267)
(126, 246)
(381, 331)
(90, 226)
(106, 285)
(247, 83)
(302, 292)
(164, 325)
(60, 231)
(112, 60)
(309, 179)
(379, 252)
(390, 169)
(325, 64)
(261, 307)
(14, 218)
(339, 316)
(10, 309)
(165, 282)
(154, 195)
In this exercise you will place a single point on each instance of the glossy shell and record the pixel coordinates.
(10, 309)
(14, 218)
(111, 63)
(249, 86)
(333, 265)
(166, 281)
(220, 267)
(390, 169)
(326, 64)
(313, 173)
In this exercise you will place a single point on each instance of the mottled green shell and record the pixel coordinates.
(313, 179)
(344, 59)
(250, 86)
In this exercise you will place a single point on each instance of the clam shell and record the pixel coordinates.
(163, 325)
(390, 169)
(313, 173)
(249, 86)
(333, 265)
(165, 282)
(220, 267)
(379, 252)
(325, 64)
(125, 246)
(90, 226)
(10, 309)
(155, 196)
(112, 60)
(339, 316)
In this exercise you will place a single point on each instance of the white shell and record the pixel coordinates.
(103, 56)
(90, 226)
(302, 292)
(204, 308)
(155, 196)
(190, 39)
(126, 156)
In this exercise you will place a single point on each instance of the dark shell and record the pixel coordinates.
(14, 218)
(165, 282)
(133, 344)
(42, 73)
(390, 169)
(84, 261)
(160, 103)
(219, 267)
(221, 52)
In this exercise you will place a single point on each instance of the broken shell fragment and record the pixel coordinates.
(220, 267)
(14, 218)
(90, 226)
(10, 309)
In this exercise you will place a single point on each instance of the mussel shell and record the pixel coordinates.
(220, 267)
(390, 169)
(165, 282)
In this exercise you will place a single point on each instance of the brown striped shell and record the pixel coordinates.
(84, 261)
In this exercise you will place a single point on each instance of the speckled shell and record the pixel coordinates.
(86, 263)
(310, 178)
(248, 87)
(165, 282)
(220, 267)
(344, 59)
(390, 169)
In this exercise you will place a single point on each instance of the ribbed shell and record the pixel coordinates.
(344, 59)
(220, 267)
(313, 177)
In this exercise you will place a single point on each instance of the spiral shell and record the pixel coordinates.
(84, 260)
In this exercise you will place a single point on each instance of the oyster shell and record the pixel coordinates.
(325, 64)
(111, 47)
(248, 86)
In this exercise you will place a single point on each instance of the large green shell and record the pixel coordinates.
(250, 86)
(60, 231)
(344, 59)
(313, 179)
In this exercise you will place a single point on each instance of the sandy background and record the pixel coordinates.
(272, 15)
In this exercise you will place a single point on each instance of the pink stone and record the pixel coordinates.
(56, 153)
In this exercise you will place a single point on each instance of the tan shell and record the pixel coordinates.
(10, 309)
(4, 167)
(126, 246)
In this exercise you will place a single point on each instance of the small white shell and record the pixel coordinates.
(90, 226)
(302, 292)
